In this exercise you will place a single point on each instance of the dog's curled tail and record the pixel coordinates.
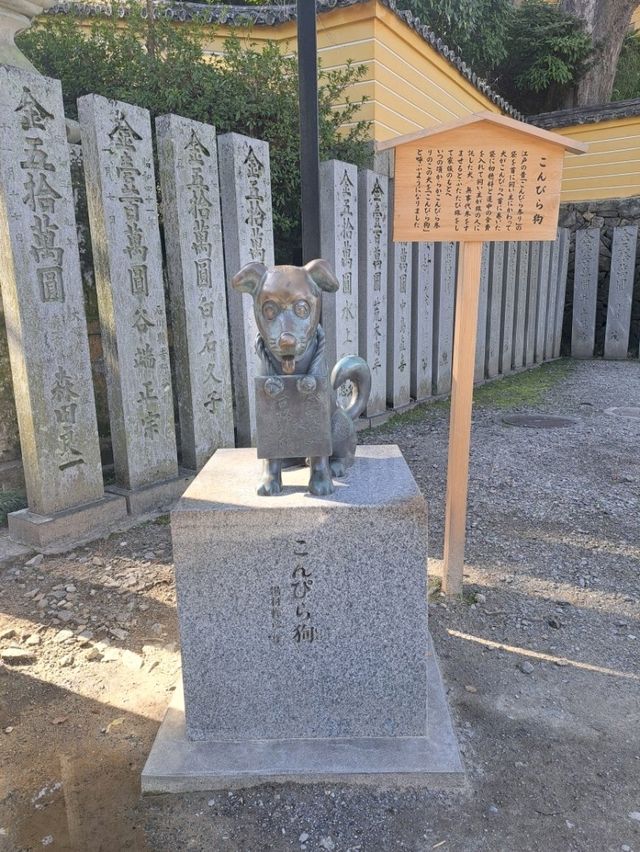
(353, 369)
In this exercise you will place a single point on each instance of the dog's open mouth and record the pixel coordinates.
(288, 364)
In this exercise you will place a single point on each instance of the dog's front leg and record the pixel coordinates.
(271, 482)
(320, 482)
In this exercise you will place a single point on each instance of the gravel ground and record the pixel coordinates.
(540, 659)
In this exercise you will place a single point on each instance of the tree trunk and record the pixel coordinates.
(608, 23)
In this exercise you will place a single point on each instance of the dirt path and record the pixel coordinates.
(541, 660)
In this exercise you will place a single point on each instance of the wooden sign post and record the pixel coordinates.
(479, 179)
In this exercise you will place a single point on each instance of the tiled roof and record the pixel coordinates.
(269, 15)
(587, 115)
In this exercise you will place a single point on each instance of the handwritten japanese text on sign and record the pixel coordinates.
(495, 189)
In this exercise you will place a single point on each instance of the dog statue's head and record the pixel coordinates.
(286, 303)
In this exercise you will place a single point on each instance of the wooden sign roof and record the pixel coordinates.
(482, 178)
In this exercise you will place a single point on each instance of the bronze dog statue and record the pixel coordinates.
(291, 342)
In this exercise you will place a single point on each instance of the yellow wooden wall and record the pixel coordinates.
(610, 168)
(408, 84)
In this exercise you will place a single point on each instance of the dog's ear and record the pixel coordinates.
(322, 275)
(249, 278)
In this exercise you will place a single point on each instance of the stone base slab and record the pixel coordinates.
(156, 497)
(65, 529)
(176, 765)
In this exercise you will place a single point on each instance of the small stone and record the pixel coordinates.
(64, 615)
(132, 661)
(34, 561)
(70, 588)
(554, 622)
(634, 815)
(34, 639)
(110, 655)
(9, 633)
(8, 729)
(118, 633)
(480, 598)
(48, 840)
(625, 848)
(16, 657)
(471, 689)
(327, 843)
(67, 660)
(562, 663)
(63, 636)
(84, 637)
(492, 809)
(93, 655)
(526, 667)
(303, 837)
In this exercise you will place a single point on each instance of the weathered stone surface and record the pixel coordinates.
(532, 304)
(302, 617)
(552, 298)
(543, 300)
(42, 298)
(398, 318)
(68, 527)
(373, 219)
(121, 197)
(422, 320)
(188, 163)
(494, 310)
(564, 237)
(585, 293)
(483, 295)
(520, 306)
(444, 303)
(247, 221)
(623, 262)
(508, 307)
(339, 247)
(177, 765)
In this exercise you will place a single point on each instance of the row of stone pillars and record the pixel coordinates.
(44, 309)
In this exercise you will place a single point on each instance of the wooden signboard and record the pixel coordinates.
(478, 179)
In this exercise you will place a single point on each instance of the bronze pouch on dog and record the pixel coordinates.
(293, 416)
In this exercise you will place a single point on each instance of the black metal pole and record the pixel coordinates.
(309, 146)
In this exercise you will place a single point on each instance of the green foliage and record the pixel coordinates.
(547, 52)
(161, 66)
(476, 29)
(627, 82)
(11, 501)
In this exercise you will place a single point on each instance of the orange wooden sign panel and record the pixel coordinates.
(477, 183)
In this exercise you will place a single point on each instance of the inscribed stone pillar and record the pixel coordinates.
(508, 306)
(532, 304)
(187, 155)
(422, 320)
(121, 198)
(373, 219)
(585, 293)
(398, 318)
(481, 333)
(563, 265)
(339, 246)
(443, 310)
(494, 310)
(552, 297)
(44, 309)
(543, 299)
(247, 221)
(623, 264)
(520, 306)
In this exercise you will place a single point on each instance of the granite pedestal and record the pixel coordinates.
(303, 623)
